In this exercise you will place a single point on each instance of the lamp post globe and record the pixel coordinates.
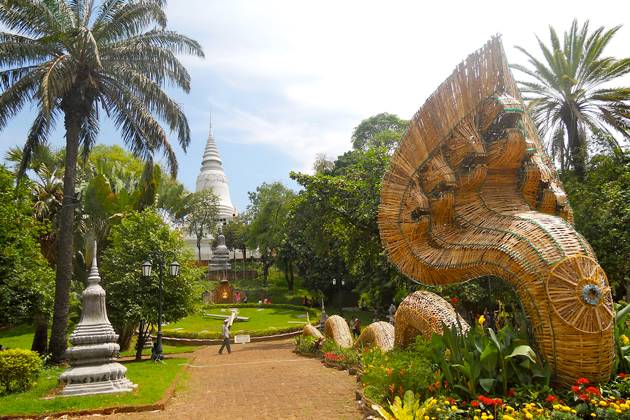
(174, 269)
(146, 269)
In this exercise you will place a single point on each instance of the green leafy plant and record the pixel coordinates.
(19, 368)
(485, 360)
(306, 344)
(622, 339)
(390, 374)
(345, 357)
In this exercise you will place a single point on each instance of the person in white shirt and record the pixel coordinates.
(226, 337)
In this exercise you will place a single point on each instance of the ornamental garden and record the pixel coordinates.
(470, 262)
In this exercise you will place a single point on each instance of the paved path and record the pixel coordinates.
(260, 381)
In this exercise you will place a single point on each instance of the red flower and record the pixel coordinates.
(497, 401)
(575, 389)
(622, 375)
(582, 381)
(583, 397)
(451, 401)
(551, 398)
(454, 300)
(511, 392)
(474, 404)
(592, 390)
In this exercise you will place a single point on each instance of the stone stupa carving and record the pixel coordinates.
(94, 347)
(220, 260)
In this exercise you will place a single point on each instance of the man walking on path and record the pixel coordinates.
(226, 337)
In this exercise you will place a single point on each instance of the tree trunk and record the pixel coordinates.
(286, 272)
(124, 336)
(291, 277)
(577, 148)
(58, 338)
(40, 340)
(143, 334)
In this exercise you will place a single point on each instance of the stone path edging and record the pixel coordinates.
(218, 341)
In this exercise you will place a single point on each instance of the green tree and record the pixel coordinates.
(203, 216)
(601, 206)
(132, 299)
(236, 233)
(569, 93)
(268, 209)
(26, 280)
(73, 60)
(380, 130)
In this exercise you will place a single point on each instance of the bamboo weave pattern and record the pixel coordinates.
(470, 192)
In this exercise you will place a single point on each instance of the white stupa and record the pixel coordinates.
(211, 177)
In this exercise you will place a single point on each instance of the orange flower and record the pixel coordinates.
(389, 371)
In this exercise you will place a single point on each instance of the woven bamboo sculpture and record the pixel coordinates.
(424, 313)
(470, 192)
(311, 331)
(378, 334)
(336, 328)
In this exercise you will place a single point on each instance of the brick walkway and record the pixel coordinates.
(260, 381)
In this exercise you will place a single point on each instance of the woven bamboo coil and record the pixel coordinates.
(470, 192)
(336, 329)
(378, 334)
(311, 331)
(424, 313)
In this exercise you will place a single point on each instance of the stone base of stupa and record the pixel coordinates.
(108, 378)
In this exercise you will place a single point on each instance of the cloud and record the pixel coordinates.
(300, 75)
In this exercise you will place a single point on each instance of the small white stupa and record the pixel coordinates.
(93, 369)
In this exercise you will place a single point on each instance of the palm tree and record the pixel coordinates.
(569, 94)
(73, 59)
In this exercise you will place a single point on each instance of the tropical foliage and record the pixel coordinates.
(26, 280)
(142, 236)
(569, 93)
(75, 59)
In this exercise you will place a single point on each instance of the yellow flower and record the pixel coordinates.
(426, 418)
(508, 417)
(556, 406)
(453, 408)
(625, 340)
(482, 320)
(603, 403)
(593, 415)
(529, 416)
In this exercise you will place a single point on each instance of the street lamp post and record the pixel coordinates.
(173, 268)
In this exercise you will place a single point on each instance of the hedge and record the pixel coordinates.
(19, 368)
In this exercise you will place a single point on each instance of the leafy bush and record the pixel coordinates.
(209, 335)
(622, 339)
(18, 369)
(306, 344)
(339, 355)
(487, 361)
(389, 374)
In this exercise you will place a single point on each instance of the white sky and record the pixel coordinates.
(287, 80)
(330, 64)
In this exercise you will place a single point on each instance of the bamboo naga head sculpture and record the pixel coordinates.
(470, 192)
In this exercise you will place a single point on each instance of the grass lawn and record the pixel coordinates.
(167, 348)
(20, 337)
(265, 319)
(153, 379)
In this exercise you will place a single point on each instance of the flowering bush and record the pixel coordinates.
(387, 375)
(343, 357)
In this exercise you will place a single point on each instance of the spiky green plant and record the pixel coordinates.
(569, 93)
(75, 59)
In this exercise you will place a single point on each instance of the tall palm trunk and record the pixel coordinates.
(577, 150)
(58, 340)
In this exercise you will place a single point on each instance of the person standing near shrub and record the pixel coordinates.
(226, 337)
(356, 327)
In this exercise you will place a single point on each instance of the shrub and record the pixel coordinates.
(306, 344)
(387, 375)
(18, 369)
(339, 355)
